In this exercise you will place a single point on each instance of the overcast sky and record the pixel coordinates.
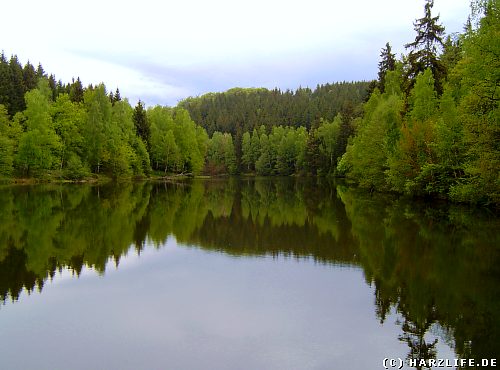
(164, 51)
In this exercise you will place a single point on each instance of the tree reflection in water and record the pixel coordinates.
(435, 265)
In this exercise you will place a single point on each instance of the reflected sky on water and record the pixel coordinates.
(268, 274)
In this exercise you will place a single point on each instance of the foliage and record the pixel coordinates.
(443, 141)
(221, 157)
(479, 108)
(428, 127)
(366, 157)
(142, 126)
(246, 151)
(424, 49)
(243, 110)
(387, 63)
(39, 146)
(328, 134)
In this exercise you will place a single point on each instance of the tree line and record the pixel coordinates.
(56, 130)
(428, 126)
(77, 135)
(240, 110)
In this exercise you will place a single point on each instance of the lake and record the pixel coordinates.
(242, 274)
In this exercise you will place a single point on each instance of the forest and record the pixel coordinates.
(428, 126)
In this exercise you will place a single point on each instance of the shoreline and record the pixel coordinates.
(103, 179)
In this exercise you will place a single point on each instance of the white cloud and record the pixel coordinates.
(223, 43)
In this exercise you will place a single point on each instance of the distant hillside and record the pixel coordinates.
(241, 110)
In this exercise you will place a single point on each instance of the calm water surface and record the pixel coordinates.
(241, 274)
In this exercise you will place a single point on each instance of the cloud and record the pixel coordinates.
(162, 52)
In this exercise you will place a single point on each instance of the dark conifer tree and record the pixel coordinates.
(67, 88)
(424, 50)
(141, 123)
(53, 86)
(371, 87)
(117, 95)
(40, 72)
(387, 63)
(347, 113)
(76, 91)
(29, 77)
(60, 89)
(114, 97)
(17, 90)
(312, 155)
(5, 82)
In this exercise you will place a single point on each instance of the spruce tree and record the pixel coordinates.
(29, 77)
(54, 86)
(387, 63)
(117, 95)
(16, 93)
(141, 124)
(4, 81)
(424, 50)
(40, 72)
(6, 144)
(76, 91)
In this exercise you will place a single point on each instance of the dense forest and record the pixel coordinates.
(428, 126)
(242, 110)
(53, 130)
(432, 126)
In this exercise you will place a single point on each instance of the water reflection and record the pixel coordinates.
(436, 265)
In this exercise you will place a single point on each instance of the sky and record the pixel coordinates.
(164, 51)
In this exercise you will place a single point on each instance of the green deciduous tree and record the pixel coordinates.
(202, 140)
(328, 134)
(121, 136)
(186, 138)
(39, 147)
(366, 157)
(95, 130)
(165, 154)
(255, 144)
(411, 166)
(423, 100)
(69, 119)
(246, 151)
(449, 147)
(264, 165)
(221, 157)
(479, 109)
